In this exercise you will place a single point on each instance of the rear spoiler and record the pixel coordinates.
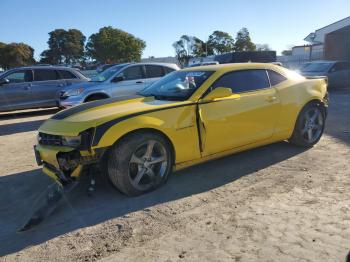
(318, 77)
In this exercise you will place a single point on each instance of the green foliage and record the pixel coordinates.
(263, 47)
(243, 41)
(64, 46)
(15, 54)
(187, 47)
(114, 45)
(287, 52)
(220, 42)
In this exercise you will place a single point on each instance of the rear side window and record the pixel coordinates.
(154, 71)
(168, 70)
(133, 73)
(20, 76)
(66, 74)
(275, 78)
(244, 81)
(45, 75)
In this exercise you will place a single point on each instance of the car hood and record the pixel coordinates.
(74, 120)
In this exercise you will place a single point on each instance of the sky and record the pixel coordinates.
(278, 23)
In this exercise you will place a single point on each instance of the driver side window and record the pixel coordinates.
(244, 80)
(133, 73)
(20, 76)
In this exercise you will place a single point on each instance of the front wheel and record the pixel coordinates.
(309, 126)
(140, 163)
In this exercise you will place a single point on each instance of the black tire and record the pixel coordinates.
(302, 136)
(129, 159)
(95, 98)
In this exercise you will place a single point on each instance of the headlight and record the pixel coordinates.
(71, 141)
(74, 92)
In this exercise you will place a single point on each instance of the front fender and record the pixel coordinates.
(179, 128)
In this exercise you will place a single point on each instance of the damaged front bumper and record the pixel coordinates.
(65, 164)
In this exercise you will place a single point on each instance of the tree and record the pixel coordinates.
(15, 55)
(287, 52)
(114, 45)
(263, 47)
(187, 47)
(64, 46)
(220, 42)
(243, 41)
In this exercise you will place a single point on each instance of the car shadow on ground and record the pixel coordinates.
(14, 128)
(27, 113)
(19, 191)
(23, 126)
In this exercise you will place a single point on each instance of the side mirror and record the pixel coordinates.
(219, 92)
(4, 81)
(118, 78)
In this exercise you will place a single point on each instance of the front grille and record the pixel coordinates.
(49, 140)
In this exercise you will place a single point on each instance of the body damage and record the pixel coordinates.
(197, 129)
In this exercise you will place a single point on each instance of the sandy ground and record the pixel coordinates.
(275, 203)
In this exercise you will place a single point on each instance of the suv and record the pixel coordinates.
(118, 80)
(35, 86)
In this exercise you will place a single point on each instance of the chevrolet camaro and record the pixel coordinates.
(187, 117)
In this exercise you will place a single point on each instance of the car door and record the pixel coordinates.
(45, 87)
(248, 116)
(129, 81)
(16, 94)
(68, 78)
(153, 73)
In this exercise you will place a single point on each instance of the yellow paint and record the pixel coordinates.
(228, 124)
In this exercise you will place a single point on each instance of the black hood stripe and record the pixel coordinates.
(77, 109)
(102, 129)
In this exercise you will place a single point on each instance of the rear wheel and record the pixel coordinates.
(140, 163)
(309, 126)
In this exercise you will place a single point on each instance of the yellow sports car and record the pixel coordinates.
(187, 117)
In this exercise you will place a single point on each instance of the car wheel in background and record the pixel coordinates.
(94, 98)
(309, 126)
(139, 163)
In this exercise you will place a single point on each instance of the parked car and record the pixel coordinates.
(118, 80)
(103, 67)
(35, 86)
(337, 72)
(205, 63)
(189, 116)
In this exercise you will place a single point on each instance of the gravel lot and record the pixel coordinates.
(275, 203)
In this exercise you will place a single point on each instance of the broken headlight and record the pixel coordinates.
(71, 141)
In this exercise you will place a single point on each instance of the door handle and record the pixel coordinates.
(271, 99)
(27, 87)
(140, 82)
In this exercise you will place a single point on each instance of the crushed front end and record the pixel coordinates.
(64, 157)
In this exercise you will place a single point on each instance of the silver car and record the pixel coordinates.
(35, 86)
(337, 72)
(118, 80)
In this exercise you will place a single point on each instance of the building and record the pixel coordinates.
(331, 42)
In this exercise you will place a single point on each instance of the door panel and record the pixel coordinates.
(17, 94)
(134, 82)
(238, 121)
(45, 86)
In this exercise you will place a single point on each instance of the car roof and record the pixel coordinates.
(233, 66)
(43, 67)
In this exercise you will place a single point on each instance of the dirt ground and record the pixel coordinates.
(274, 203)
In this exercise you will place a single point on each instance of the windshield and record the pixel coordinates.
(178, 86)
(103, 76)
(315, 67)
